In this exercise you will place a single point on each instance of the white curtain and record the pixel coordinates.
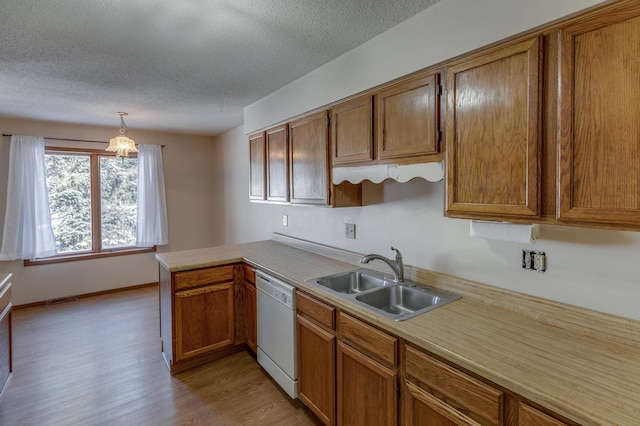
(152, 226)
(27, 230)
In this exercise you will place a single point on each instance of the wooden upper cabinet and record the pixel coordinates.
(599, 134)
(277, 151)
(257, 169)
(352, 131)
(309, 152)
(408, 118)
(493, 133)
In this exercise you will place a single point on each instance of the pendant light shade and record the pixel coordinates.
(122, 145)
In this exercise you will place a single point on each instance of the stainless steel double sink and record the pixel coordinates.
(373, 290)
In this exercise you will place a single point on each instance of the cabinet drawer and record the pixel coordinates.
(373, 341)
(197, 277)
(250, 273)
(320, 312)
(459, 390)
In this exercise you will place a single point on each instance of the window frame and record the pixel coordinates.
(96, 229)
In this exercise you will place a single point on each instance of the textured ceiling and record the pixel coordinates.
(183, 65)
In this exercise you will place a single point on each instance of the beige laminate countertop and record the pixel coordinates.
(587, 379)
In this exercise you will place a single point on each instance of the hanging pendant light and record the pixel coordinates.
(121, 144)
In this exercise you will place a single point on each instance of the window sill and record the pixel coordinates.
(86, 256)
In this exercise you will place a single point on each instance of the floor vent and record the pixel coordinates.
(60, 301)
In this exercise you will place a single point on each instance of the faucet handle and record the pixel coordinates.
(398, 254)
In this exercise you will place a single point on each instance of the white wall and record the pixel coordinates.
(240, 221)
(189, 178)
(586, 267)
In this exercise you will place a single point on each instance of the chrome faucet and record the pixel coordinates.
(396, 265)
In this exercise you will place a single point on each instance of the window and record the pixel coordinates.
(93, 202)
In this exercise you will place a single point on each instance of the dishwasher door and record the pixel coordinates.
(277, 346)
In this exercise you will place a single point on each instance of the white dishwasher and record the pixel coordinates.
(277, 348)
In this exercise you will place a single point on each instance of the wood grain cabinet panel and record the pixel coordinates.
(599, 146)
(251, 316)
(317, 369)
(277, 152)
(352, 131)
(475, 399)
(529, 416)
(367, 390)
(422, 408)
(204, 319)
(316, 310)
(257, 167)
(493, 133)
(361, 335)
(309, 153)
(408, 120)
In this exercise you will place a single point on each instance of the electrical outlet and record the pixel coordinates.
(350, 230)
(534, 260)
(285, 220)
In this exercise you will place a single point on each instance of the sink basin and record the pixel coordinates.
(351, 282)
(399, 299)
(373, 290)
(401, 302)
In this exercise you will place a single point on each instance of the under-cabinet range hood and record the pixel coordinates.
(432, 172)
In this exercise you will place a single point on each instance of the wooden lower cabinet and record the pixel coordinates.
(367, 390)
(317, 369)
(199, 315)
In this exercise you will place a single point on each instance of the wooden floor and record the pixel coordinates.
(97, 362)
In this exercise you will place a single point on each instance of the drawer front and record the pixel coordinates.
(318, 311)
(249, 273)
(373, 341)
(198, 277)
(462, 391)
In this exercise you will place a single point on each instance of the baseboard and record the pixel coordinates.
(85, 295)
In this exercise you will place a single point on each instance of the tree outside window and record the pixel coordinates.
(93, 201)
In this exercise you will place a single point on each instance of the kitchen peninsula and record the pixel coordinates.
(574, 364)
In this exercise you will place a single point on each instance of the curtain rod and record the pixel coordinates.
(70, 140)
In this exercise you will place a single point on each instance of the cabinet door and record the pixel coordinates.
(277, 163)
(309, 153)
(317, 370)
(408, 118)
(352, 131)
(204, 320)
(599, 151)
(494, 134)
(366, 390)
(423, 408)
(257, 169)
(250, 315)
